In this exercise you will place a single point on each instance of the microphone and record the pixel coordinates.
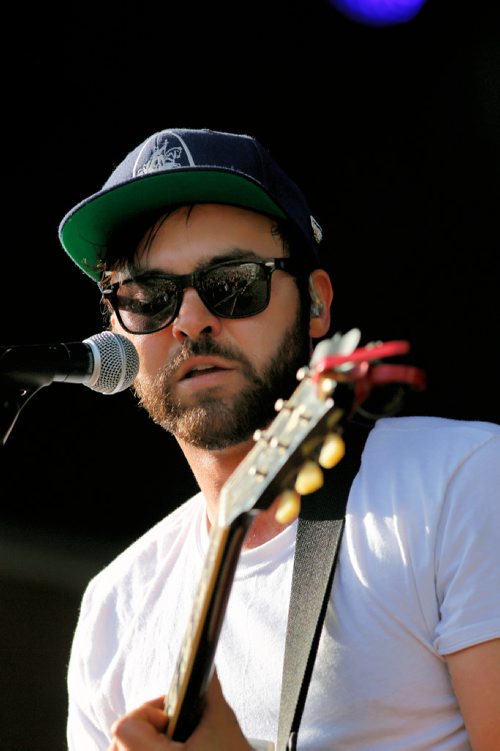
(106, 362)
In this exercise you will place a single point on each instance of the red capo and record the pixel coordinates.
(365, 373)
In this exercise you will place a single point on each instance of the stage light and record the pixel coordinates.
(379, 12)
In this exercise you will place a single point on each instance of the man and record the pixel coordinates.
(208, 258)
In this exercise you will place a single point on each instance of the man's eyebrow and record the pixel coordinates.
(235, 254)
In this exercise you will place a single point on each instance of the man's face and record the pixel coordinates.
(213, 381)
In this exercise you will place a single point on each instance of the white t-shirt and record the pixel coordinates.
(418, 577)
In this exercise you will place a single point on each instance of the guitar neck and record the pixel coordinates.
(185, 699)
(253, 485)
(304, 429)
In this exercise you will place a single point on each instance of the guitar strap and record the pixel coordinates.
(319, 531)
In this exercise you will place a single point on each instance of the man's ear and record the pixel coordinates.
(113, 322)
(321, 291)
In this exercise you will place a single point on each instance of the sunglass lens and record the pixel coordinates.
(147, 305)
(236, 291)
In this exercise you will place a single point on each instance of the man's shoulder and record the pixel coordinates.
(140, 561)
(175, 523)
(436, 441)
(425, 426)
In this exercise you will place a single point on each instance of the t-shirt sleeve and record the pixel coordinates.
(82, 734)
(468, 552)
(83, 728)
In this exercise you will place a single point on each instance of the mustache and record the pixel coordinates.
(204, 347)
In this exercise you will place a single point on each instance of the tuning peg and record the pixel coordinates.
(288, 507)
(309, 479)
(332, 451)
(327, 387)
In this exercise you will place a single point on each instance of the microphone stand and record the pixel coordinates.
(17, 388)
(14, 397)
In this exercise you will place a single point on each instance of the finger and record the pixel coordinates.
(214, 690)
(144, 723)
(151, 712)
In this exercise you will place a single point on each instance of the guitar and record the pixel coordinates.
(286, 462)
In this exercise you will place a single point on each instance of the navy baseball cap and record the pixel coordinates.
(184, 166)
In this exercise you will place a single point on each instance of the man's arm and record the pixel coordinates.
(475, 675)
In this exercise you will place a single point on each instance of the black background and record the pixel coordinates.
(394, 134)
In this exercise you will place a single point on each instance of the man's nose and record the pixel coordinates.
(194, 318)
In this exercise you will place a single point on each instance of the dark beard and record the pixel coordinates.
(215, 423)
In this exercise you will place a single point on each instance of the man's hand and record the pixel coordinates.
(143, 728)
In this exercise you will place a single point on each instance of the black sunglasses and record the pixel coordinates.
(233, 289)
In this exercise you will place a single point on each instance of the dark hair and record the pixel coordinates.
(122, 243)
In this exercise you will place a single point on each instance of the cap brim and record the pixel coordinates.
(85, 231)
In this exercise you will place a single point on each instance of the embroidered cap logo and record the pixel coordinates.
(165, 151)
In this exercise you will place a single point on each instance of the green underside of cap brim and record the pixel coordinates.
(85, 232)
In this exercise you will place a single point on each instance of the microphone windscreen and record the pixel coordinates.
(116, 362)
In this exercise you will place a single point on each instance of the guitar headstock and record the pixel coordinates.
(305, 437)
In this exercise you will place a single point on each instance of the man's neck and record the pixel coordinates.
(211, 470)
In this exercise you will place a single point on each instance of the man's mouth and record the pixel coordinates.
(201, 369)
(204, 369)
